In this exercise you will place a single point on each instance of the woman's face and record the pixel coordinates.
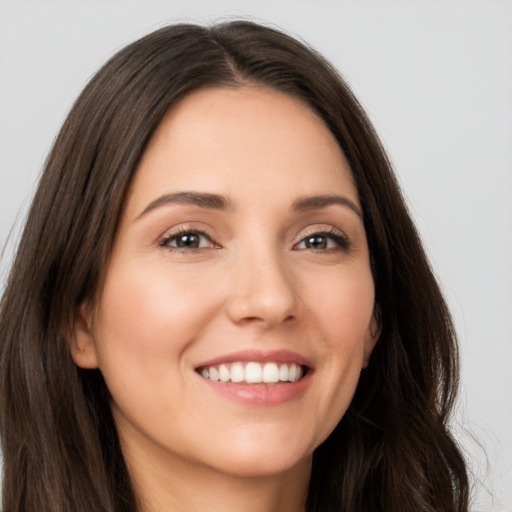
(236, 314)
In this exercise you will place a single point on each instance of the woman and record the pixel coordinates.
(220, 301)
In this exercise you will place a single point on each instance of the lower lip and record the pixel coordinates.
(260, 395)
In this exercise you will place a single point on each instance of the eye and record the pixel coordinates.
(187, 240)
(323, 241)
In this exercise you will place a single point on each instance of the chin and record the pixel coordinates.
(263, 466)
(262, 455)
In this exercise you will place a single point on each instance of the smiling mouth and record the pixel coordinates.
(254, 373)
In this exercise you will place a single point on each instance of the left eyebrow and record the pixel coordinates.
(319, 202)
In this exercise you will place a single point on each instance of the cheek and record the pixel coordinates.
(146, 315)
(343, 302)
(342, 307)
(143, 327)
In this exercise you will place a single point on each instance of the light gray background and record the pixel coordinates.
(436, 78)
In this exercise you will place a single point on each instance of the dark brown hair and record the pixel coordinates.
(391, 451)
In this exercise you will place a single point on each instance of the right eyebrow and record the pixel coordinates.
(208, 201)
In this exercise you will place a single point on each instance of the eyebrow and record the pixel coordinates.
(209, 201)
(218, 202)
(319, 202)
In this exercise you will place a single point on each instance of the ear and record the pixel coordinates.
(373, 335)
(82, 345)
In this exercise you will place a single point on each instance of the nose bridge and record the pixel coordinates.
(263, 287)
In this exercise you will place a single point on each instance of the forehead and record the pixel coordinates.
(250, 142)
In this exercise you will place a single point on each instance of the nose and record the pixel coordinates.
(263, 291)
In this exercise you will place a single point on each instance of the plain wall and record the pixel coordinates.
(436, 79)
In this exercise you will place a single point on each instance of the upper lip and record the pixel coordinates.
(258, 356)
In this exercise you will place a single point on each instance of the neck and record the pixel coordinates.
(221, 493)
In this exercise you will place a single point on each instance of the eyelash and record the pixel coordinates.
(341, 241)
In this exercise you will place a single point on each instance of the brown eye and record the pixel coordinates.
(190, 240)
(316, 242)
(187, 240)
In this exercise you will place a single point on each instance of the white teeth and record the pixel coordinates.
(253, 373)
(270, 373)
(213, 373)
(283, 372)
(237, 373)
(224, 373)
(292, 373)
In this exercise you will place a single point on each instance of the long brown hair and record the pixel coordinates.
(391, 451)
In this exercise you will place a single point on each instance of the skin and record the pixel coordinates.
(254, 283)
